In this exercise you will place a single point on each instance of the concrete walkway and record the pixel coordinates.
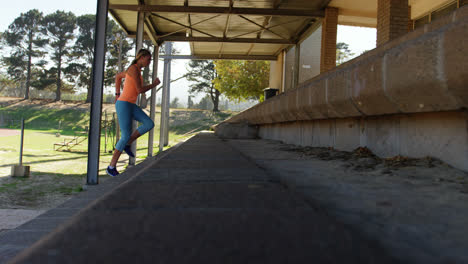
(416, 208)
(201, 202)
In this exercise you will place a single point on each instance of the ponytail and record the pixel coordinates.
(140, 53)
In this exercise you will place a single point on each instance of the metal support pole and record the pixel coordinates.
(168, 98)
(164, 99)
(21, 143)
(283, 73)
(139, 45)
(140, 29)
(96, 92)
(153, 99)
(105, 131)
(121, 68)
(297, 58)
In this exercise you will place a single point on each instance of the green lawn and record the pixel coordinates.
(57, 174)
(39, 153)
(43, 123)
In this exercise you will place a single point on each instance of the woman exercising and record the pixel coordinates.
(126, 107)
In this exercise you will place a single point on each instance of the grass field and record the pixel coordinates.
(61, 173)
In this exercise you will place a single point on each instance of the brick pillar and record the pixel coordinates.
(329, 31)
(410, 22)
(392, 20)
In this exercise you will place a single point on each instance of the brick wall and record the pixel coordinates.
(392, 20)
(329, 31)
(410, 22)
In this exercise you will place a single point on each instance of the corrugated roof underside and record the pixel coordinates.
(223, 25)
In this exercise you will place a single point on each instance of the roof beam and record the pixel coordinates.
(152, 29)
(262, 27)
(304, 29)
(266, 22)
(118, 20)
(218, 57)
(226, 27)
(324, 3)
(133, 34)
(220, 10)
(189, 21)
(176, 38)
(277, 25)
(180, 24)
(184, 28)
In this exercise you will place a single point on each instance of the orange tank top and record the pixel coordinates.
(130, 93)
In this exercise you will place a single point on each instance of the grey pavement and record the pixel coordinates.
(12, 218)
(201, 202)
(418, 211)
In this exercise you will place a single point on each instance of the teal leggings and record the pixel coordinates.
(126, 113)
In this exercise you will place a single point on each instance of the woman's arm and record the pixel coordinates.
(133, 72)
(118, 83)
(151, 86)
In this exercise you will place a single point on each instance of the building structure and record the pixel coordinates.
(406, 97)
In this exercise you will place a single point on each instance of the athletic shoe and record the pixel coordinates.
(112, 172)
(128, 150)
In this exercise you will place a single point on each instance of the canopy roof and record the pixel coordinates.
(222, 28)
(244, 29)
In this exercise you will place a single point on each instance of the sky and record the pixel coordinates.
(358, 39)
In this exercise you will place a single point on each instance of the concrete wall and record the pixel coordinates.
(442, 135)
(411, 92)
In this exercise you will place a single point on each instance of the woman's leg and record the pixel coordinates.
(115, 158)
(142, 117)
(124, 114)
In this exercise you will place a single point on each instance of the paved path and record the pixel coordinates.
(417, 210)
(12, 218)
(203, 202)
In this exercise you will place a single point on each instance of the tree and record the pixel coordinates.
(5, 83)
(25, 38)
(242, 80)
(202, 73)
(60, 27)
(118, 47)
(205, 103)
(45, 79)
(175, 103)
(83, 53)
(343, 53)
(189, 102)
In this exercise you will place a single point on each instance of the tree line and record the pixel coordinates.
(55, 52)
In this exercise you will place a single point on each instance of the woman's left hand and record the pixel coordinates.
(156, 82)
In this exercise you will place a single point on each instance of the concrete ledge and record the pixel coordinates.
(236, 131)
(423, 71)
(442, 135)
